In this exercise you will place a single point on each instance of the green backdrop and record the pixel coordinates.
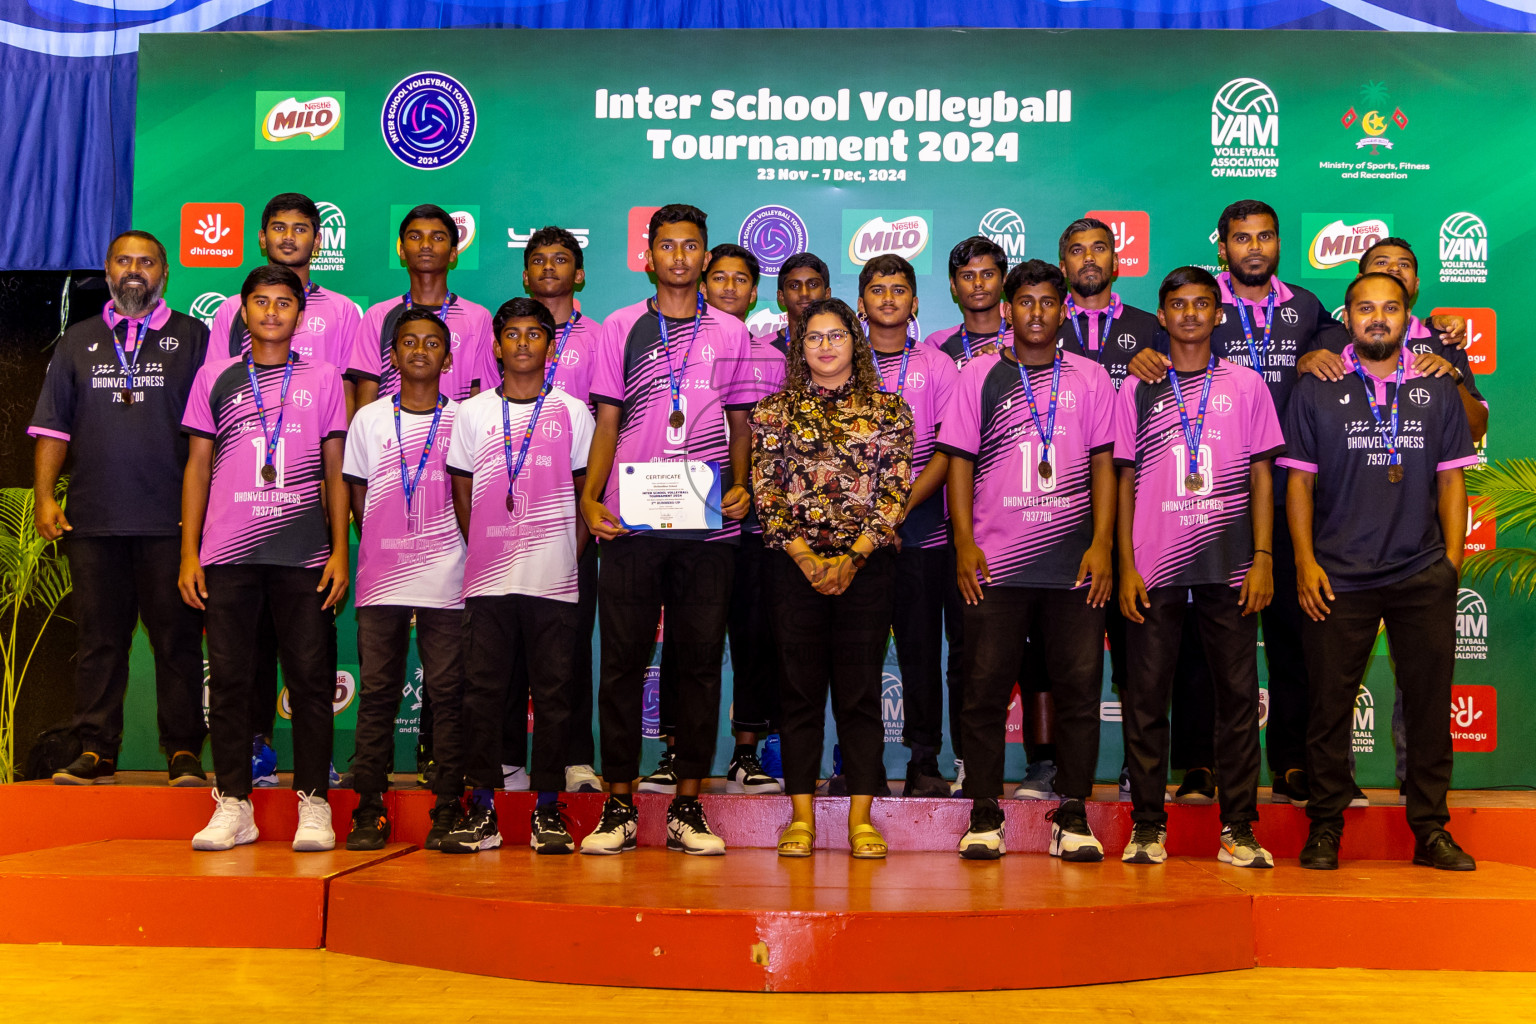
(937, 133)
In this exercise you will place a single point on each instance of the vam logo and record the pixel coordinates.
(206, 305)
(892, 707)
(332, 254)
(1006, 228)
(288, 122)
(1471, 626)
(1245, 130)
(871, 233)
(1364, 725)
(1463, 249)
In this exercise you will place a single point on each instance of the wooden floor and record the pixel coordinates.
(54, 983)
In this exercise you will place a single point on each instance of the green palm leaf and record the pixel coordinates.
(1508, 490)
(1515, 566)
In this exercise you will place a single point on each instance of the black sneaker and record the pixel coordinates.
(664, 778)
(745, 774)
(1071, 838)
(984, 839)
(1198, 788)
(370, 826)
(185, 770)
(615, 832)
(1291, 787)
(923, 779)
(1322, 850)
(87, 769)
(474, 831)
(1438, 850)
(688, 830)
(549, 832)
(1358, 798)
(445, 815)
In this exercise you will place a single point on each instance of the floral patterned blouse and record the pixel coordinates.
(830, 466)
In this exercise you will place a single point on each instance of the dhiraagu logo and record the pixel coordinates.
(289, 120)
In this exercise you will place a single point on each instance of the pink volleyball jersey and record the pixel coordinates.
(930, 385)
(250, 521)
(1190, 538)
(952, 342)
(532, 550)
(469, 324)
(1032, 529)
(412, 557)
(576, 360)
(712, 369)
(325, 333)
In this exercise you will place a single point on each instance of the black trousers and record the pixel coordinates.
(383, 641)
(754, 658)
(264, 694)
(998, 653)
(1152, 650)
(639, 575)
(954, 632)
(917, 622)
(1420, 618)
(306, 647)
(578, 739)
(497, 631)
(117, 581)
(836, 644)
(1192, 739)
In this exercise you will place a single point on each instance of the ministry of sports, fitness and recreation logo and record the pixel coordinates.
(871, 233)
(428, 120)
(1471, 626)
(1006, 228)
(1245, 130)
(1339, 240)
(1374, 122)
(206, 305)
(1363, 727)
(332, 254)
(773, 234)
(286, 120)
(1463, 249)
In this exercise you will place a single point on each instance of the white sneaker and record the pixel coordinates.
(983, 840)
(514, 779)
(957, 788)
(1240, 848)
(233, 824)
(314, 833)
(580, 778)
(1148, 845)
(745, 775)
(1071, 837)
(688, 831)
(615, 832)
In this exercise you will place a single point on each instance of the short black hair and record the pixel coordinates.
(887, 265)
(677, 213)
(522, 306)
(973, 248)
(551, 235)
(419, 314)
(806, 259)
(732, 251)
(429, 211)
(144, 236)
(1077, 227)
(1182, 276)
(271, 273)
(291, 201)
(1241, 210)
(1374, 276)
(1390, 242)
(1034, 272)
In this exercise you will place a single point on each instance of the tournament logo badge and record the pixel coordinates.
(773, 234)
(1006, 228)
(1245, 130)
(1339, 240)
(289, 121)
(332, 254)
(428, 120)
(871, 233)
(1463, 249)
(206, 305)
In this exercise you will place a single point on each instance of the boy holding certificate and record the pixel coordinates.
(668, 385)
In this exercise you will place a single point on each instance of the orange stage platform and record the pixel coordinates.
(113, 865)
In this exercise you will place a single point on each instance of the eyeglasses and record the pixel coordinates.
(832, 339)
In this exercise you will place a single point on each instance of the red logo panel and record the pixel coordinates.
(1482, 335)
(1133, 234)
(212, 234)
(1474, 718)
(639, 236)
(1481, 530)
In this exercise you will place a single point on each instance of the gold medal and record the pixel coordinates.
(269, 473)
(127, 396)
(1045, 470)
(675, 421)
(1395, 474)
(1194, 482)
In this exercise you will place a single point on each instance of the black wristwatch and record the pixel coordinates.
(1459, 377)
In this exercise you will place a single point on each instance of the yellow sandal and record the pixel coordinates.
(867, 843)
(797, 840)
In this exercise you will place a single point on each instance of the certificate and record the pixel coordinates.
(669, 495)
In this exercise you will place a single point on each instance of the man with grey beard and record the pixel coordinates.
(112, 402)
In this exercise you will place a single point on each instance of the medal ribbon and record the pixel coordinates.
(276, 436)
(906, 355)
(1101, 333)
(409, 483)
(1269, 323)
(138, 348)
(442, 311)
(1193, 430)
(515, 467)
(1048, 432)
(675, 379)
(1394, 458)
(965, 340)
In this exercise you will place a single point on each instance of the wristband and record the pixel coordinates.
(857, 559)
(1262, 551)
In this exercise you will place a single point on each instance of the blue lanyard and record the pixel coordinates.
(674, 378)
(268, 471)
(906, 355)
(965, 340)
(1109, 320)
(1193, 479)
(1048, 432)
(515, 468)
(122, 359)
(1269, 324)
(1394, 458)
(409, 483)
(442, 311)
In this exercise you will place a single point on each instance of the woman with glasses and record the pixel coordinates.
(831, 472)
